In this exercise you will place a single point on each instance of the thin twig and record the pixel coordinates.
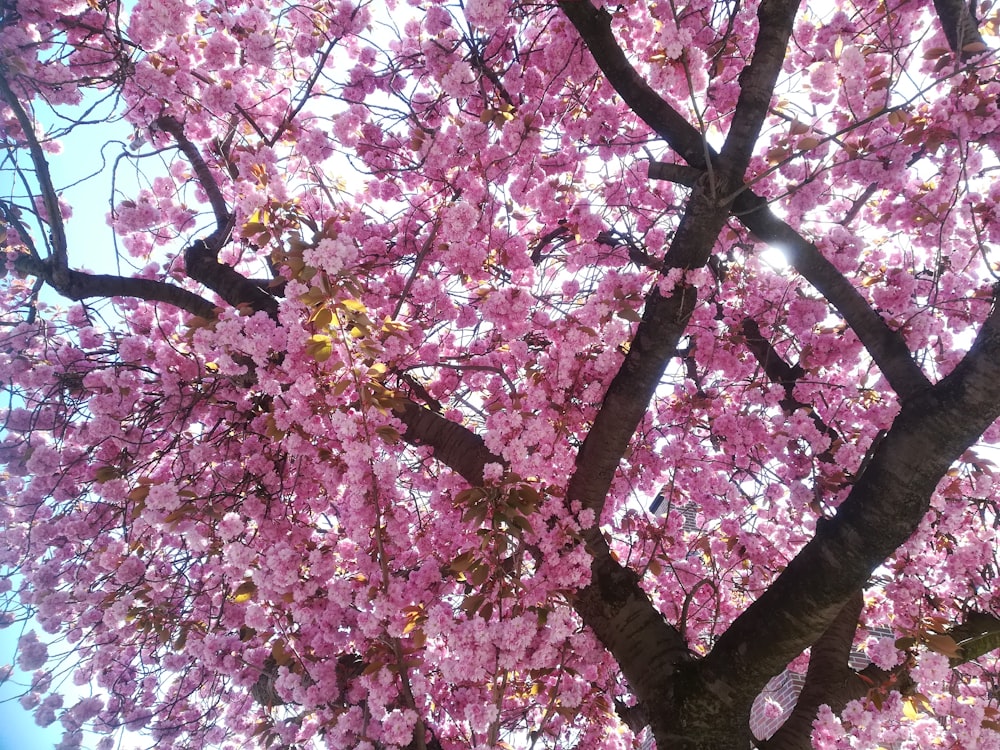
(59, 258)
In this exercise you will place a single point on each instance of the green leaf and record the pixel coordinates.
(462, 563)
(470, 496)
(472, 603)
(522, 523)
(388, 434)
(282, 654)
(106, 474)
(320, 347)
(245, 591)
(323, 318)
(477, 574)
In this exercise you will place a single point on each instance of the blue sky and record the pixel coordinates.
(18, 730)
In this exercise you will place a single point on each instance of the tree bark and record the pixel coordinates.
(79, 285)
(829, 680)
(960, 27)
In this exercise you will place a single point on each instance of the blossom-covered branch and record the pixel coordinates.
(886, 346)
(757, 81)
(884, 507)
(206, 178)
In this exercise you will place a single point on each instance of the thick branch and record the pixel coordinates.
(829, 680)
(454, 445)
(776, 368)
(613, 605)
(594, 26)
(886, 505)
(78, 285)
(169, 124)
(886, 346)
(202, 265)
(960, 27)
(757, 81)
(647, 648)
(681, 174)
(201, 258)
(663, 322)
(785, 375)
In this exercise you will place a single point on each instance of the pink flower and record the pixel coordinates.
(931, 671)
(45, 714)
(258, 48)
(486, 14)
(397, 726)
(231, 526)
(827, 730)
(492, 472)
(220, 51)
(883, 652)
(31, 652)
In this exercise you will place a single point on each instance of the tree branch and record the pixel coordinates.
(613, 605)
(886, 346)
(78, 285)
(223, 217)
(648, 649)
(681, 174)
(59, 258)
(885, 506)
(594, 27)
(776, 369)
(201, 257)
(757, 81)
(829, 679)
(202, 265)
(454, 445)
(960, 27)
(785, 375)
(663, 322)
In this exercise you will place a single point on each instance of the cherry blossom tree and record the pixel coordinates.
(348, 435)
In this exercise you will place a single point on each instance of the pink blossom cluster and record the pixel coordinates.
(224, 516)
